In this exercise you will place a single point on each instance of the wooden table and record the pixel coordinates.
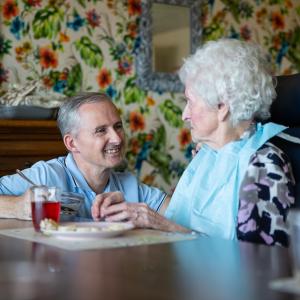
(199, 269)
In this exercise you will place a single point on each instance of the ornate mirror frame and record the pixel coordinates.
(147, 79)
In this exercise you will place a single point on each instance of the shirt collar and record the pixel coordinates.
(79, 180)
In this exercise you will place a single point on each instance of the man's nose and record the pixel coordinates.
(115, 137)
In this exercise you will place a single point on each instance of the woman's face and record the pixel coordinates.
(203, 120)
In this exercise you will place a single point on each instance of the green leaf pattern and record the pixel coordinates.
(47, 22)
(90, 53)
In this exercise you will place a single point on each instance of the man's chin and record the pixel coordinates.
(114, 162)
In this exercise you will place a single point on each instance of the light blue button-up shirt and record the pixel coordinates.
(64, 173)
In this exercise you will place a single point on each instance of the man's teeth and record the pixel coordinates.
(112, 151)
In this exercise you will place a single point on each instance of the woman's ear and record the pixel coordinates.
(70, 143)
(223, 111)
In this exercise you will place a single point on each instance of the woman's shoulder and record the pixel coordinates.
(269, 154)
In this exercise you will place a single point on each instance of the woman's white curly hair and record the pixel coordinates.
(233, 72)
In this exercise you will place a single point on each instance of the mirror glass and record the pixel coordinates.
(169, 31)
(168, 23)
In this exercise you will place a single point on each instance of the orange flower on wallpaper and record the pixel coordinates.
(184, 137)
(48, 82)
(288, 3)
(277, 20)
(276, 42)
(63, 38)
(134, 146)
(261, 15)
(48, 58)
(104, 78)
(110, 4)
(33, 2)
(148, 179)
(136, 121)
(149, 137)
(134, 7)
(150, 101)
(132, 29)
(10, 9)
(245, 32)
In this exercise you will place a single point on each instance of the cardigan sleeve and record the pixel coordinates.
(266, 193)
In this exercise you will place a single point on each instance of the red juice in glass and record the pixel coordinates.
(44, 210)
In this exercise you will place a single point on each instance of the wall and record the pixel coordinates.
(91, 45)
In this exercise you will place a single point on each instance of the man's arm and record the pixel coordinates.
(15, 207)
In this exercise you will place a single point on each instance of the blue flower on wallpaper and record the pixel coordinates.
(76, 23)
(3, 74)
(59, 86)
(136, 45)
(118, 51)
(233, 33)
(282, 52)
(17, 25)
(177, 167)
(111, 92)
(188, 151)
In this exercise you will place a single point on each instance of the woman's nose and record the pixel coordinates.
(185, 114)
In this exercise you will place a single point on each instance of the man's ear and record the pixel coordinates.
(223, 111)
(70, 143)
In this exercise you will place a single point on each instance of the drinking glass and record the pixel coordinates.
(45, 204)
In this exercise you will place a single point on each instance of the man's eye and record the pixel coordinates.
(100, 130)
(119, 126)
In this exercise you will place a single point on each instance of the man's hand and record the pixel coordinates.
(103, 201)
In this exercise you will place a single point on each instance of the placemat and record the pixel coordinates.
(134, 237)
(290, 285)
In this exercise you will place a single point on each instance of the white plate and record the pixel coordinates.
(106, 230)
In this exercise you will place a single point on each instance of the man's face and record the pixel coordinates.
(100, 136)
(203, 120)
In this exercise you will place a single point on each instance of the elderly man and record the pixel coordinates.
(93, 133)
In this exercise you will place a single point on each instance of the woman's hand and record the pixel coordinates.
(196, 149)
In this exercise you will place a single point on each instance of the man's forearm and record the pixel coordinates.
(13, 207)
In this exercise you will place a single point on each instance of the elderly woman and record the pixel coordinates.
(238, 185)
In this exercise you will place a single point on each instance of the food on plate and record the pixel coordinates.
(50, 225)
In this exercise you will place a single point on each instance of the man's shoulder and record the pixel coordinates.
(54, 162)
(53, 167)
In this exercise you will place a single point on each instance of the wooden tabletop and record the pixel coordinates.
(200, 269)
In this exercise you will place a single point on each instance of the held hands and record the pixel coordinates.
(113, 208)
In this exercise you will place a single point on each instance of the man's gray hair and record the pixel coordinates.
(68, 119)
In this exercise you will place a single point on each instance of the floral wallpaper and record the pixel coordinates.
(91, 45)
